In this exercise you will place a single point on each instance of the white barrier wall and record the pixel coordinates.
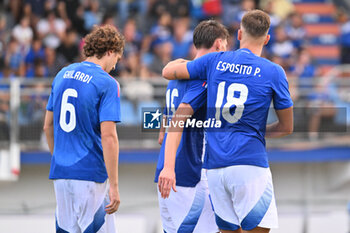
(307, 197)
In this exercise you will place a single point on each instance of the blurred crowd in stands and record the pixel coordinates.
(39, 37)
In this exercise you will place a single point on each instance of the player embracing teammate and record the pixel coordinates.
(189, 208)
(241, 86)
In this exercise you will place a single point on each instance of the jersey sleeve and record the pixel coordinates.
(196, 94)
(110, 103)
(198, 67)
(165, 111)
(281, 95)
(49, 106)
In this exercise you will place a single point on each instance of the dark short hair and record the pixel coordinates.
(256, 23)
(103, 39)
(207, 32)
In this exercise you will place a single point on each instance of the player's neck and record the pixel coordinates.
(97, 62)
(202, 52)
(254, 48)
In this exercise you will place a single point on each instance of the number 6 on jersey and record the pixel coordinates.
(68, 107)
(230, 101)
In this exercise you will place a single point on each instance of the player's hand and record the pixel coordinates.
(166, 181)
(114, 200)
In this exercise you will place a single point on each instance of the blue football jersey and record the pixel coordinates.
(241, 87)
(188, 164)
(83, 95)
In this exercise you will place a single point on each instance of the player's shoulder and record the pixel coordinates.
(60, 74)
(212, 55)
(180, 85)
(72, 66)
(172, 83)
(276, 71)
(270, 65)
(103, 78)
(219, 54)
(183, 85)
(109, 82)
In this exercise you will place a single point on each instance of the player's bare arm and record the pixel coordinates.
(110, 145)
(48, 129)
(162, 131)
(284, 125)
(167, 179)
(176, 69)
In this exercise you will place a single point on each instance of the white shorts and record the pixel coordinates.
(243, 197)
(81, 207)
(188, 210)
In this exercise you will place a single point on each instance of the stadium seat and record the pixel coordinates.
(325, 55)
(325, 51)
(322, 29)
(315, 18)
(325, 40)
(316, 8)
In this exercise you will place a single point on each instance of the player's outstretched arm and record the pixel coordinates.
(110, 145)
(284, 126)
(176, 69)
(167, 179)
(48, 129)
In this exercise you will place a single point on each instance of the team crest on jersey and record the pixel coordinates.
(152, 119)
